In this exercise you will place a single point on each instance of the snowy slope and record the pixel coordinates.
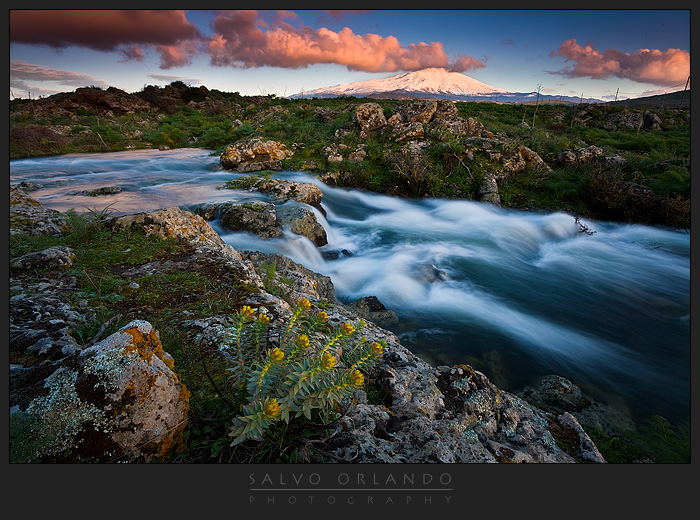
(439, 82)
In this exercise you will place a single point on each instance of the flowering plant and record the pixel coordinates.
(312, 365)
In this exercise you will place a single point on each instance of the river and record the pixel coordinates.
(515, 294)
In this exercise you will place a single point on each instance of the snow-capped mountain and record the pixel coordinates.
(433, 82)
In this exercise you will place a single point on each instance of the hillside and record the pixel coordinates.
(607, 161)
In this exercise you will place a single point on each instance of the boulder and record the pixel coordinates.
(417, 111)
(370, 118)
(408, 131)
(559, 395)
(117, 401)
(281, 190)
(193, 230)
(488, 191)
(28, 216)
(370, 308)
(257, 217)
(302, 221)
(59, 256)
(255, 155)
(584, 155)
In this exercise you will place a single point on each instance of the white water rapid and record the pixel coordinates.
(515, 294)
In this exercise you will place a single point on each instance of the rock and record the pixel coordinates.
(370, 118)
(445, 110)
(357, 155)
(106, 190)
(559, 395)
(281, 189)
(586, 449)
(191, 229)
(258, 217)
(417, 111)
(59, 256)
(522, 159)
(28, 216)
(28, 186)
(405, 132)
(302, 221)
(335, 254)
(292, 278)
(118, 401)
(370, 308)
(171, 223)
(265, 219)
(579, 156)
(255, 155)
(488, 191)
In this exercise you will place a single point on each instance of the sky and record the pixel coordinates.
(601, 54)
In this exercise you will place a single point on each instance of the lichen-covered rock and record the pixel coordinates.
(192, 229)
(257, 217)
(59, 256)
(370, 118)
(302, 221)
(281, 190)
(29, 216)
(291, 278)
(488, 191)
(255, 155)
(171, 223)
(579, 156)
(117, 401)
(417, 111)
(407, 131)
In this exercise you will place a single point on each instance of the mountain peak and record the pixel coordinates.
(426, 82)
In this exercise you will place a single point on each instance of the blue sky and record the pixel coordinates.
(594, 53)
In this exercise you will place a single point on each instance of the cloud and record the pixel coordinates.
(167, 78)
(243, 40)
(126, 31)
(465, 63)
(665, 68)
(21, 70)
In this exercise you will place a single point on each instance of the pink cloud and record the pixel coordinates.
(242, 40)
(653, 66)
(21, 70)
(168, 31)
(465, 63)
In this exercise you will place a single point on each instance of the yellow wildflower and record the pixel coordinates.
(247, 312)
(376, 348)
(347, 328)
(357, 378)
(303, 340)
(305, 304)
(328, 361)
(264, 318)
(272, 408)
(277, 355)
(323, 315)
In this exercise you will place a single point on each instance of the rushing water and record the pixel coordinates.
(515, 294)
